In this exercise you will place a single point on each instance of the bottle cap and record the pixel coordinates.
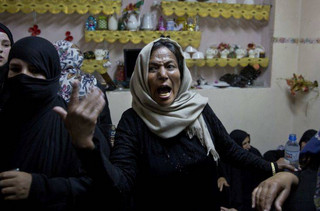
(292, 137)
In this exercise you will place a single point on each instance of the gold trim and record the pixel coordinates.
(229, 61)
(184, 38)
(94, 7)
(273, 169)
(92, 65)
(215, 10)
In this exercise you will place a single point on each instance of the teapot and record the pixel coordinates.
(133, 23)
(240, 53)
(172, 25)
(100, 53)
(211, 53)
(224, 54)
(148, 22)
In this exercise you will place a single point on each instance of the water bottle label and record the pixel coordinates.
(292, 156)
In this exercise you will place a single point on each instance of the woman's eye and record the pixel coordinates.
(171, 66)
(33, 70)
(152, 69)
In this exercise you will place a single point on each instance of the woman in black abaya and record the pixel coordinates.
(39, 168)
(242, 179)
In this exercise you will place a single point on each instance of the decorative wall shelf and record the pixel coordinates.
(92, 65)
(233, 62)
(107, 7)
(215, 10)
(184, 38)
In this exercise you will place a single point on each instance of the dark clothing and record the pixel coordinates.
(34, 138)
(301, 197)
(44, 149)
(104, 121)
(4, 69)
(165, 174)
(242, 181)
(273, 155)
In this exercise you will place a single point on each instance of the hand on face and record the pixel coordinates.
(81, 117)
(15, 185)
(163, 76)
(5, 47)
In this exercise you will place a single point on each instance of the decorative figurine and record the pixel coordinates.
(161, 24)
(102, 22)
(91, 23)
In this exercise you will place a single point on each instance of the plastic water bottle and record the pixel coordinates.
(292, 150)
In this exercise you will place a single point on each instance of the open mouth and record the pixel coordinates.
(164, 91)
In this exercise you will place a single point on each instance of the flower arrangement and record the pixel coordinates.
(132, 8)
(298, 83)
(223, 46)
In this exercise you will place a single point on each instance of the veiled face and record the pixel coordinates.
(163, 76)
(18, 66)
(5, 47)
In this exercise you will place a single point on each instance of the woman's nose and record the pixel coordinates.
(162, 73)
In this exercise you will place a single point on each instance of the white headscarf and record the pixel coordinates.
(71, 60)
(184, 113)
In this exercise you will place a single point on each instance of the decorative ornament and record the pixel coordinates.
(91, 23)
(68, 36)
(34, 30)
(132, 8)
(299, 84)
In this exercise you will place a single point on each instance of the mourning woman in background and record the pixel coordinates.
(6, 41)
(39, 167)
(168, 145)
(242, 180)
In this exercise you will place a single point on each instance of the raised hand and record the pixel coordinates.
(81, 117)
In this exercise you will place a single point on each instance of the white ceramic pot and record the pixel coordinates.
(112, 23)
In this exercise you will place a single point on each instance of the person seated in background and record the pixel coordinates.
(6, 41)
(39, 167)
(242, 180)
(167, 145)
(71, 59)
(274, 155)
(304, 196)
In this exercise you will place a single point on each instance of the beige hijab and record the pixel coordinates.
(183, 113)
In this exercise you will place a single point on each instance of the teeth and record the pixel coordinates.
(164, 94)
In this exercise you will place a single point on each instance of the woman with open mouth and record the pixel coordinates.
(168, 145)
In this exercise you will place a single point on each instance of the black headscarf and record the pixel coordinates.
(35, 94)
(238, 136)
(242, 180)
(33, 136)
(6, 30)
(307, 135)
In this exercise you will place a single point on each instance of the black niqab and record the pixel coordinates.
(34, 138)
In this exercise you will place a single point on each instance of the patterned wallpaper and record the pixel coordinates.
(296, 40)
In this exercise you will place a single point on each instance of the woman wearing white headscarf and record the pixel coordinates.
(168, 145)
